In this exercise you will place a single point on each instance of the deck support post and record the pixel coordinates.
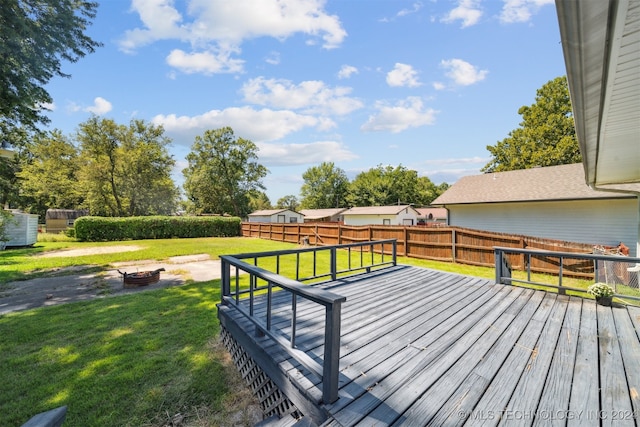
(225, 277)
(503, 269)
(331, 366)
(334, 263)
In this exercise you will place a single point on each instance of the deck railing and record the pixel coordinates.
(611, 269)
(361, 257)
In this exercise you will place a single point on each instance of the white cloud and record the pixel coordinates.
(521, 10)
(161, 21)
(215, 29)
(439, 86)
(273, 58)
(49, 106)
(204, 62)
(462, 73)
(467, 11)
(311, 96)
(460, 160)
(451, 169)
(347, 71)
(414, 8)
(256, 125)
(100, 106)
(405, 114)
(403, 75)
(300, 154)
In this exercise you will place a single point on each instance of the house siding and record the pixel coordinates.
(276, 218)
(378, 219)
(602, 221)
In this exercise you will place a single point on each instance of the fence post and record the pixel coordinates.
(453, 245)
(330, 369)
(406, 241)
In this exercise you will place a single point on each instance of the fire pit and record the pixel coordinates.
(140, 278)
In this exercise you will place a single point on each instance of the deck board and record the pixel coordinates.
(423, 347)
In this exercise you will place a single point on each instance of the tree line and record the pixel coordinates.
(113, 169)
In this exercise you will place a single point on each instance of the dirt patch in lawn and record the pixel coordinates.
(73, 284)
(95, 250)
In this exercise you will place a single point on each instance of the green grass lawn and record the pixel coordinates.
(133, 360)
(139, 359)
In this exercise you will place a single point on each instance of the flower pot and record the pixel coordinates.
(606, 301)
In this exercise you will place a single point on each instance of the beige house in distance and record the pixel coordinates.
(283, 216)
(381, 215)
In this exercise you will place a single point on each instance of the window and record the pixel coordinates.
(386, 221)
(293, 219)
(407, 221)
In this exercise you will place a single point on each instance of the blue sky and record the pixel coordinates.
(423, 84)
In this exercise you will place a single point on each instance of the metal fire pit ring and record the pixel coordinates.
(140, 278)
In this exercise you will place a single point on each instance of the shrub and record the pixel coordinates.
(93, 228)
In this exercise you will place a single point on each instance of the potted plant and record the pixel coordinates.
(602, 292)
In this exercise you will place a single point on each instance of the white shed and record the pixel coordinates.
(283, 216)
(381, 215)
(551, 202)
(22, 229)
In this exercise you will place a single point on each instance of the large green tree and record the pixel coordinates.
(288, 202)
(546, 136)
(126, 170)
(9, 182)
(223, 173)
(386, 185)
(35, 37)
(325, 186)
(49, 175)
(258, 201)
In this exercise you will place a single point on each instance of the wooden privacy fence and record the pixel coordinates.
(450, 244)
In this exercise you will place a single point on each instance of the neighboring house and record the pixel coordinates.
(21, 229)
(432, 215)
(276, 215)
(551, 202)
(381, 215)
(58, 220)
(323, 215)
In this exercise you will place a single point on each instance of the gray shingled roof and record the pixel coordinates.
(565, 182)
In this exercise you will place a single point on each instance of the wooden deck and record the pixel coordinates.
(422, 347)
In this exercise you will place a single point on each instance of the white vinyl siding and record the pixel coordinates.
(282, 217)
(405, 217)
(602, 221)
(22, 229)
